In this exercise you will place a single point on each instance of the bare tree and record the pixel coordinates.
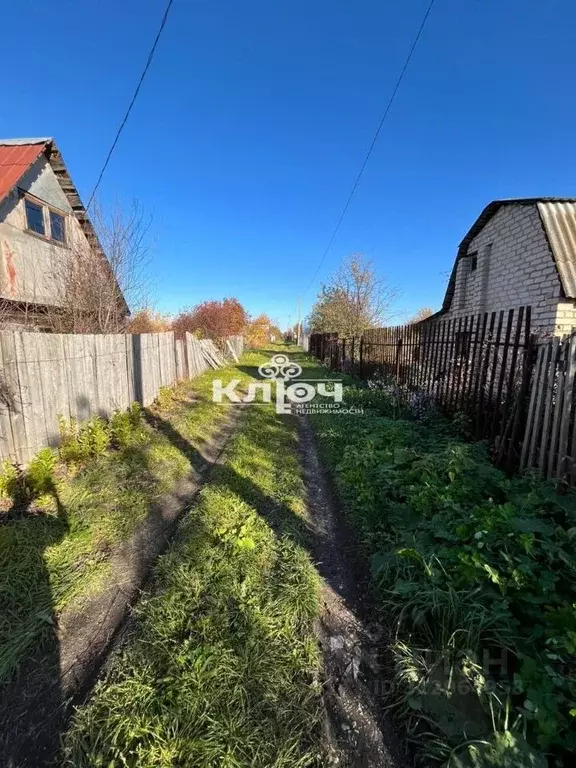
(103, 274)
(355, 300)
(422, 314)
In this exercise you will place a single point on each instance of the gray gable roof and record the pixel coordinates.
(558, 217)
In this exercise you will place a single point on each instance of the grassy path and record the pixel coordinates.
(223, 668)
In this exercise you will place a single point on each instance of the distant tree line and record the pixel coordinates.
(210, 320)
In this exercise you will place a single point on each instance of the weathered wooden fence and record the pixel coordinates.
(76, 376)
(549, 441)
(479, 365)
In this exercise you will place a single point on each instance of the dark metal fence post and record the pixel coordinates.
(398, 356)
(361, 355)
(343, 364)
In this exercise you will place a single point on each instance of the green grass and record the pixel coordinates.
(223, 667)
(53, 556)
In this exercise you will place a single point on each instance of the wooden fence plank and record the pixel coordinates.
(559, 405)
(550, 380)
(484, 377)
(498, 422)
(17, 414)
(568, 396)
(494, 367)
(7, 450)
(529, 441)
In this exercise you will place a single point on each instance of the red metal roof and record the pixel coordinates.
(15, 159)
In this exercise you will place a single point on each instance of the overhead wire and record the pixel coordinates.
(372, 145)
(132, 102)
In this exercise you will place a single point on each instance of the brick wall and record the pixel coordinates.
(515, 267)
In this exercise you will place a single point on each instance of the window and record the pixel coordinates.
(49, 223)
(35, 217)
(57, 227)
(473, 262)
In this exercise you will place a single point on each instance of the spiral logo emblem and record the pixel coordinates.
(280, 367)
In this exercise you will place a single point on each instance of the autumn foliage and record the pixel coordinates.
(147, 321)
(261, 331)
(212, 319)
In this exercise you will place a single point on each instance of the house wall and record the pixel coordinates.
(31, 266)
(515, 267)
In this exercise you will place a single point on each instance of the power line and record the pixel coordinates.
(136, 92)
(373, 144)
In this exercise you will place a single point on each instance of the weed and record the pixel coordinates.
(165, 398)
(8, 479)
(40, 477)
(126, 427)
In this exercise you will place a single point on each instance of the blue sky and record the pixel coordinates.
(255, 118)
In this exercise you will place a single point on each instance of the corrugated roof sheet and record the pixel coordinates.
(20, 141)
(15, 159)
(559, 220)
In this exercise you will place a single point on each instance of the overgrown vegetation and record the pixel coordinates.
(223, 667)
(61, 517)
(476, 572)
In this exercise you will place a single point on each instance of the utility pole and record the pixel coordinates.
(299, 326)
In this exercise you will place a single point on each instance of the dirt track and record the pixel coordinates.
(357, 733)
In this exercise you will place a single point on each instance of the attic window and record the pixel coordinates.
(57, 227)
(473, 262)
(35, 217)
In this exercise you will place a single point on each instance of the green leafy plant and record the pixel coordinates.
(477, 573)
(73, 448)
(8, 479)
(40, 477)
(79, 443)
(126, 427)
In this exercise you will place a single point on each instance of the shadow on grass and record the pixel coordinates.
(281, 518)
(27, 581)
(41, 672)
